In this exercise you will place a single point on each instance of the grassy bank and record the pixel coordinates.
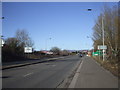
(110, 65)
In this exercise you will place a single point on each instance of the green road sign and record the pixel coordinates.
(97, 53)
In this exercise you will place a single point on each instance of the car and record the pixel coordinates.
(80, 55)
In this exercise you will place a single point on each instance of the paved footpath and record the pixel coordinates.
(91, 75)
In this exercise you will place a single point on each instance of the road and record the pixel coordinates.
(42, 75)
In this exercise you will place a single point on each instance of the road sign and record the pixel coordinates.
(102, 47)
(97, 53)
(28, 49)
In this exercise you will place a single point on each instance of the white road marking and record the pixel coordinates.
(53, 65)
(27, 74)
(73, 82)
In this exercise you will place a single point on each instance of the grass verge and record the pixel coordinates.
(110, 65)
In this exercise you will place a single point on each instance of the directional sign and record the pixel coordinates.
(28, 49)
(102, 47)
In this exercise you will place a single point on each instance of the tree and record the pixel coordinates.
(23, 37)
(11, 46)
(65, 52)
(55, 50)
(11, 50)
(14, 47)
(111, 35)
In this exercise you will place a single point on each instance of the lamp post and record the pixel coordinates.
(1, 36)
(46, 43)
(2, 41)
(93, 46)
(102, 34)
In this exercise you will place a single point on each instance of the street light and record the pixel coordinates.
(1, 36)
(102, 33)
(2, 18)
(46, 42)
(89, 9)
(91, 38)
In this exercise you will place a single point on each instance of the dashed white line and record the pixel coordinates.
(53, 65)
(27, 74)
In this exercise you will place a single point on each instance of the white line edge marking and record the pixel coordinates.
(73, 83)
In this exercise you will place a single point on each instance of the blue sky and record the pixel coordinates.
(67, 23)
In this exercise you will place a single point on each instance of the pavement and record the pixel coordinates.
(91, 75)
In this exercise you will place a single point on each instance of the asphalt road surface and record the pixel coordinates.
(42, 75)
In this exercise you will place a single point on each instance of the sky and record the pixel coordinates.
(63, 24)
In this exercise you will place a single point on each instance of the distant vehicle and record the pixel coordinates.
(80, 55)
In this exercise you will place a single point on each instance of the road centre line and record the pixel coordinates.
(53, 65)
(27, 74)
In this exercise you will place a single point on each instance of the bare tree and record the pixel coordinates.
(65, 52)
(14, 47)
(55, 50)
(23, 38)
(110, 19)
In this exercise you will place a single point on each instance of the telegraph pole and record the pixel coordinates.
(103, 38)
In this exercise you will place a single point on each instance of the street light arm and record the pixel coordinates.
(89, 9)
(2, 18)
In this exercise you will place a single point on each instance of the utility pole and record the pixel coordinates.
(103, 37)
